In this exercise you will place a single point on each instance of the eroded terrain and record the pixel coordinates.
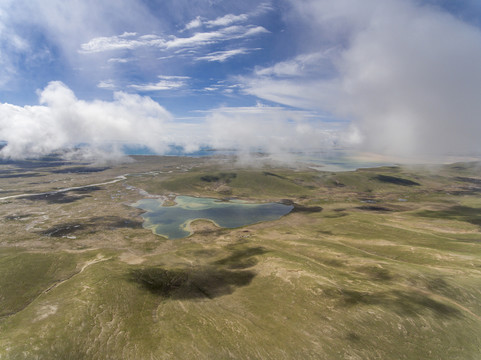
(378, 263)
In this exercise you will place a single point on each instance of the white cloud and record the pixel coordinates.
(160, 85)
(222, 56)
(12, 46)
(173, 77)
(165, 83)
(107, 84)
(119, 60)
(119, 42)
(36, 34)
(263, 8)
(297, 92)
(301, 65)
(227, 20)
(195, 23)
(132, 41)
(407, 75)
(224, 34)
(269, 129)
(63, 121)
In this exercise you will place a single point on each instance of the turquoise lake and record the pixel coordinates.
(173, 221)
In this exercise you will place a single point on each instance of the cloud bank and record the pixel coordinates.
(269, 129)
(406, 75)
(62, 121)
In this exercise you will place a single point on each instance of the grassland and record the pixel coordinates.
(380, 263)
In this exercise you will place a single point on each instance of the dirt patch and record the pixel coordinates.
(131, 259)
(45, 311)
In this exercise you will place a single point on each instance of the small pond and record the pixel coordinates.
(173, 221)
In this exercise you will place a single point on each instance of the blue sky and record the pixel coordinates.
(399, 77)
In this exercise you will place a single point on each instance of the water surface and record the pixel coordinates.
(173, 221)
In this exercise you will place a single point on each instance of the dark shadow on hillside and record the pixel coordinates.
(56, 198)
(61, 230)
(20, 175)
(221, 277)
(461, 213)
(404, 303)
(91, 225)
(336, 215)
(64, 197)
(467, 166)
(373, 208)
(241, 259)
(79, 170)
(225, 177)
(114, 222)
(190, 284)
(468, 180)
(266, 173)
(470, 190)
(306, 209)
(396, 180)
(46, 161)
(300, 208)
(376, 273)
(17, 217)
(86, 189)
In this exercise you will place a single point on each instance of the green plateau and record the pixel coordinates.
(378, 263)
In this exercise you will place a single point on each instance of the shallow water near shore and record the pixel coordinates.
(172, 222)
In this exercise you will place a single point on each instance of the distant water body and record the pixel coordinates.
(173, 221)
(333, 160)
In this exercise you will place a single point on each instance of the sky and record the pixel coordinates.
(92, 78)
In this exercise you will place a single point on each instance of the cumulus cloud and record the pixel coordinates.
(406, 75)
(62, 121)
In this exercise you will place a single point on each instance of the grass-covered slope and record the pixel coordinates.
(387, 267)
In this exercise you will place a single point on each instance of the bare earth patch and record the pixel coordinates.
(131, 259)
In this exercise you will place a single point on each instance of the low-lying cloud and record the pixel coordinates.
(406, 75)
(269, 129)
(62, 121)
(99, 130)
